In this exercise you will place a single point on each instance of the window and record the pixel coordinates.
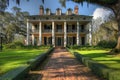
(82, 28)
(71, 40)
(45, 40)
(50, 40)
(48, 27)
(74, 40)
(83, 40)
(36, 26)
(73, 27)
(58, 28)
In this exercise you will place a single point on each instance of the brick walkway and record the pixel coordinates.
(63, 66)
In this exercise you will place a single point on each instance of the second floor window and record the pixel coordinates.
(71, 28)
(37, 27)
(59, 28)
(82, 28)
(47, 27)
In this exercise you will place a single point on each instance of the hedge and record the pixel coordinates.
(16, 74)
(97, 68)
(20, 72)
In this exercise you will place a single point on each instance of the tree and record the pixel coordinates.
(12, 24)
(95, 24)
(107, 31)
(110, 4)
(5, 3)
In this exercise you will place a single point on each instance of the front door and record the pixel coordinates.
(59, 41)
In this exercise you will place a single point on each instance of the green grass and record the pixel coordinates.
(102, 56)
(10, 59)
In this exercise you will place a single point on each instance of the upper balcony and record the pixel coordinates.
(84, 31)
(59, 31)
(47, 31)
(71, 31)
(35, 31)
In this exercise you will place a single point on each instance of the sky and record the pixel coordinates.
(33, 7)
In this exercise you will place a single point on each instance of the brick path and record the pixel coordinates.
(63, 66)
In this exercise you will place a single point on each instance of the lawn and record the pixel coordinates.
(101, 56)
(10, 59)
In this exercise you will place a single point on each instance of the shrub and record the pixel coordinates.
(107, 44)
(13, 45)
(73, 46)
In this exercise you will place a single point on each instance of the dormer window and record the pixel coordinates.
(48, 11)
(69, 11)
(58, 11)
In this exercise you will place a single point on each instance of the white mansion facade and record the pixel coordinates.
(57, 29)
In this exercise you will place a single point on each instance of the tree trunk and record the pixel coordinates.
(116, 50)
(118, 42)
(116, 10)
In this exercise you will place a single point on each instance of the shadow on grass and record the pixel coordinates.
(96, 55)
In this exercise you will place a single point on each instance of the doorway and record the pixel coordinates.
(83, 40)
(59, 41)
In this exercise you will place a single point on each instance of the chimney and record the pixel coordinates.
(76, 10)
(69, 11)
(41, 10)
(58, 11)
(48, 12)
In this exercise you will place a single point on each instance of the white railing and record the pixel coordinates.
(47, 31)
(71, 31)
(35, 31)
(59, 31)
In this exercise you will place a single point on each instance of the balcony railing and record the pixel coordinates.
(84, 31)
(71, 31)
(47, 31)
(59, 31)
(35, 31)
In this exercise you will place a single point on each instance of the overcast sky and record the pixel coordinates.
(33, 7)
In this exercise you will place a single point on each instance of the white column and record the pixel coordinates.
(33, 38)
(27, 40)
(65, 34)
(53, 34)
(78, 34)
(40, 34)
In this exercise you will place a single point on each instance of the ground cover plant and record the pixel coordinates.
(102, 56)
(13, 58)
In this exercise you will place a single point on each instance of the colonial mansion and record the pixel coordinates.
(57, 29)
